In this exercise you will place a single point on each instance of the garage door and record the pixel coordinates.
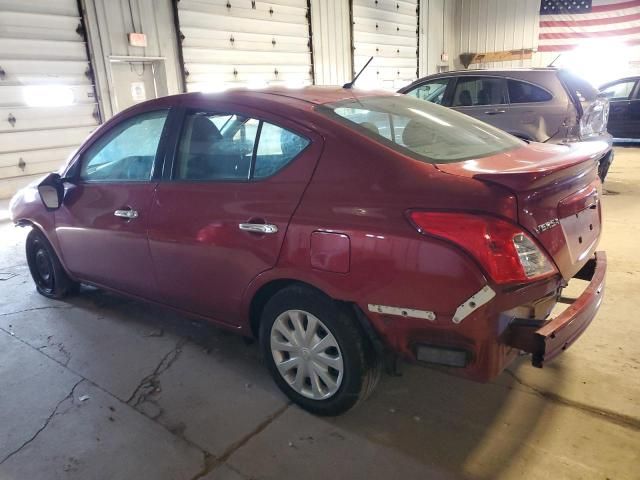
(388, 31)
(245, 43)
(47, 101)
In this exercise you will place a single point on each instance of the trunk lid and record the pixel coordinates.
(558, 194)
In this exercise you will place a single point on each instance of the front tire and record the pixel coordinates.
(315, 351)
(46, 270)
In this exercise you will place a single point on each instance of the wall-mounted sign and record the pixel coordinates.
(138, 92)
(137, 39)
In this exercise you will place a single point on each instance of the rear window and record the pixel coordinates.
(422, 130)
(578, 87)
(522, 92)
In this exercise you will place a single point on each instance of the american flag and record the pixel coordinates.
(564, 24)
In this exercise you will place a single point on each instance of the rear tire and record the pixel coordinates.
(316, 352)
(46, 270)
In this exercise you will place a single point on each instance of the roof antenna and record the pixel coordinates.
(350, 84)
(554, 60)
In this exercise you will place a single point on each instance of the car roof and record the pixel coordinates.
(315, 95)
(496, 71)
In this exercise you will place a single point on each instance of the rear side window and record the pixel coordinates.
(522, 92)
(127, 152)
(233, 147)
(471, 91)
(619, 91)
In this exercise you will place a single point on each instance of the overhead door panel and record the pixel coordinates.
(47, 97)
(388, 31)
(229, 43)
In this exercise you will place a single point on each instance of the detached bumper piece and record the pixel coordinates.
(545, 339)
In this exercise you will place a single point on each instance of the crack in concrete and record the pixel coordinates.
(602, 413)
(150, 383)
(213, 463)
(61, 307)
(179, 345)
(46, 422)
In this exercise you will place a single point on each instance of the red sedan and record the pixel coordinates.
(336, 226)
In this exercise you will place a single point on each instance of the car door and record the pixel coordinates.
(634, 114)
(102, 224)
(221, 218)
(621, 124)
(482, 97)
(533, 112)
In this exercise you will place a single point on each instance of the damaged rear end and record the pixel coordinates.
(558, 205)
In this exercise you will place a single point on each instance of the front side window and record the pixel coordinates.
(619, 91)
(232, 147)
(472, 91)
(422, 130)
(522, 92)
(431, 91)
(127, 152)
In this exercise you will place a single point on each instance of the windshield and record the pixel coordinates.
(425, 131)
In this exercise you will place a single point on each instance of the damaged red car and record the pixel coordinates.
(338, 227)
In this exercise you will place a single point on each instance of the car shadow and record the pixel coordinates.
(446, 424)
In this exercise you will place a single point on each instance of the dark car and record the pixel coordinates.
(335, 226)
(536, 104)
(624, 113)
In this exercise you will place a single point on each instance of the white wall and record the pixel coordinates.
(437, 35)
(108, 23)
(496, 26)
(501, 25)
(331, 32)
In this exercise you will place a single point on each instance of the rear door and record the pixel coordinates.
(484, 98)
(621, 99)
(221, 217)
(533, 112)
(102, 224)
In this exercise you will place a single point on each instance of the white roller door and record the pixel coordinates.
(47, 100)
(245, 43)
(388, 31)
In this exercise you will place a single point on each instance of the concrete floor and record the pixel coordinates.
(169, 398)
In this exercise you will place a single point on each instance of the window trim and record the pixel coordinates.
(533, 84)
(498, 77)
(75, 167)
(170, 175)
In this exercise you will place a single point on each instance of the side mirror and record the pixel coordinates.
(51, 191)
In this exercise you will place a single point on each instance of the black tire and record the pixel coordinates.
(361, 365)
(46, 270)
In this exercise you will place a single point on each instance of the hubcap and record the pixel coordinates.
(306, 354)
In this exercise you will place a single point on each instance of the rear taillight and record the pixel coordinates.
(504, 250)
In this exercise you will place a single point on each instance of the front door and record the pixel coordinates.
(484, 98)
(634, 114)
(102, 224)
(621, 124)
(222, 218)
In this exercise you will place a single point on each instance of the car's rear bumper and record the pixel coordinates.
(545, 339)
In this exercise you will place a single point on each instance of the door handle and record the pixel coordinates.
(130, 214)
(258, 227)
(495, 112)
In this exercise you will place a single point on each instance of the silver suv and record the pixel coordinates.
(535, 104)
